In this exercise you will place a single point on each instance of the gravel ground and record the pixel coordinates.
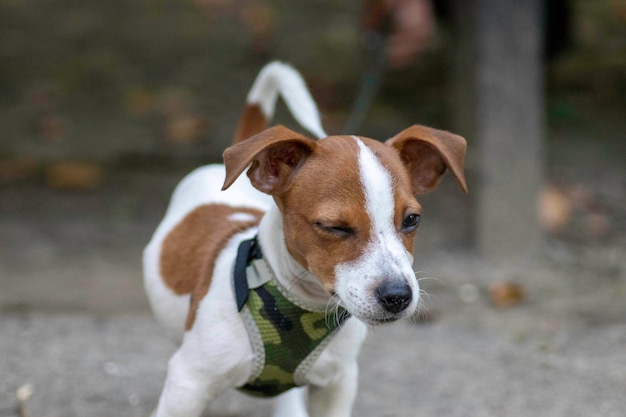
(559, 353)
(510, 365)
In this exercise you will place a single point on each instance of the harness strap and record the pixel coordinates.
(247, 252)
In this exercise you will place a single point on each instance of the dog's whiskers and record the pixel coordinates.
(422, 312)
(332, 311)
(426, 295)
(425, 278)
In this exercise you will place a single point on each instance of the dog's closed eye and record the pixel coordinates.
(337, 229)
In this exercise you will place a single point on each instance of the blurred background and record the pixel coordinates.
(106, 105)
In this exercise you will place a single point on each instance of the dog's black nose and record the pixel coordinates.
(394, 296)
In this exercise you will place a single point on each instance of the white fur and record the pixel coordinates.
(276, 78)
(385, 256)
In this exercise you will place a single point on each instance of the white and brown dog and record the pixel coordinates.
(335, 219)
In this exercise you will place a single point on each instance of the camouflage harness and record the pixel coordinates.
(287, 335)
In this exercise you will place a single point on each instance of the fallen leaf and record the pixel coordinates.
(185, 128)
(506, 294)
(555, 209)
(74, 175)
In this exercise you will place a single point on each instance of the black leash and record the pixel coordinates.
(375, 43)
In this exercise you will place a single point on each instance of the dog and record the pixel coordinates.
(270, 280)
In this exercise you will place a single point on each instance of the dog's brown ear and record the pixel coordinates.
(273, 157)
(427, 152)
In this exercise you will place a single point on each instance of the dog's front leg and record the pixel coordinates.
(187, 388)
(337, 398)
(291, 404)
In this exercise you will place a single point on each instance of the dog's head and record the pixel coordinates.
(349, 207)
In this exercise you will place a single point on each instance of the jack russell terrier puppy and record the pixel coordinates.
(270, 280)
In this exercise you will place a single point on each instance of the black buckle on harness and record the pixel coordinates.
(248, 251)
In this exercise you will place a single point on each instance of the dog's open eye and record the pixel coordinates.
(410, 223)
(337, 230)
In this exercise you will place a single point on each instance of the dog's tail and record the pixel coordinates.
(278, 78)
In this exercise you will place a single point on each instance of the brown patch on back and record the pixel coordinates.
(251, 122)
(189, 251)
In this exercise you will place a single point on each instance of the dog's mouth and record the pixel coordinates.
(387, 320)
(377, 318)
(381, 321)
